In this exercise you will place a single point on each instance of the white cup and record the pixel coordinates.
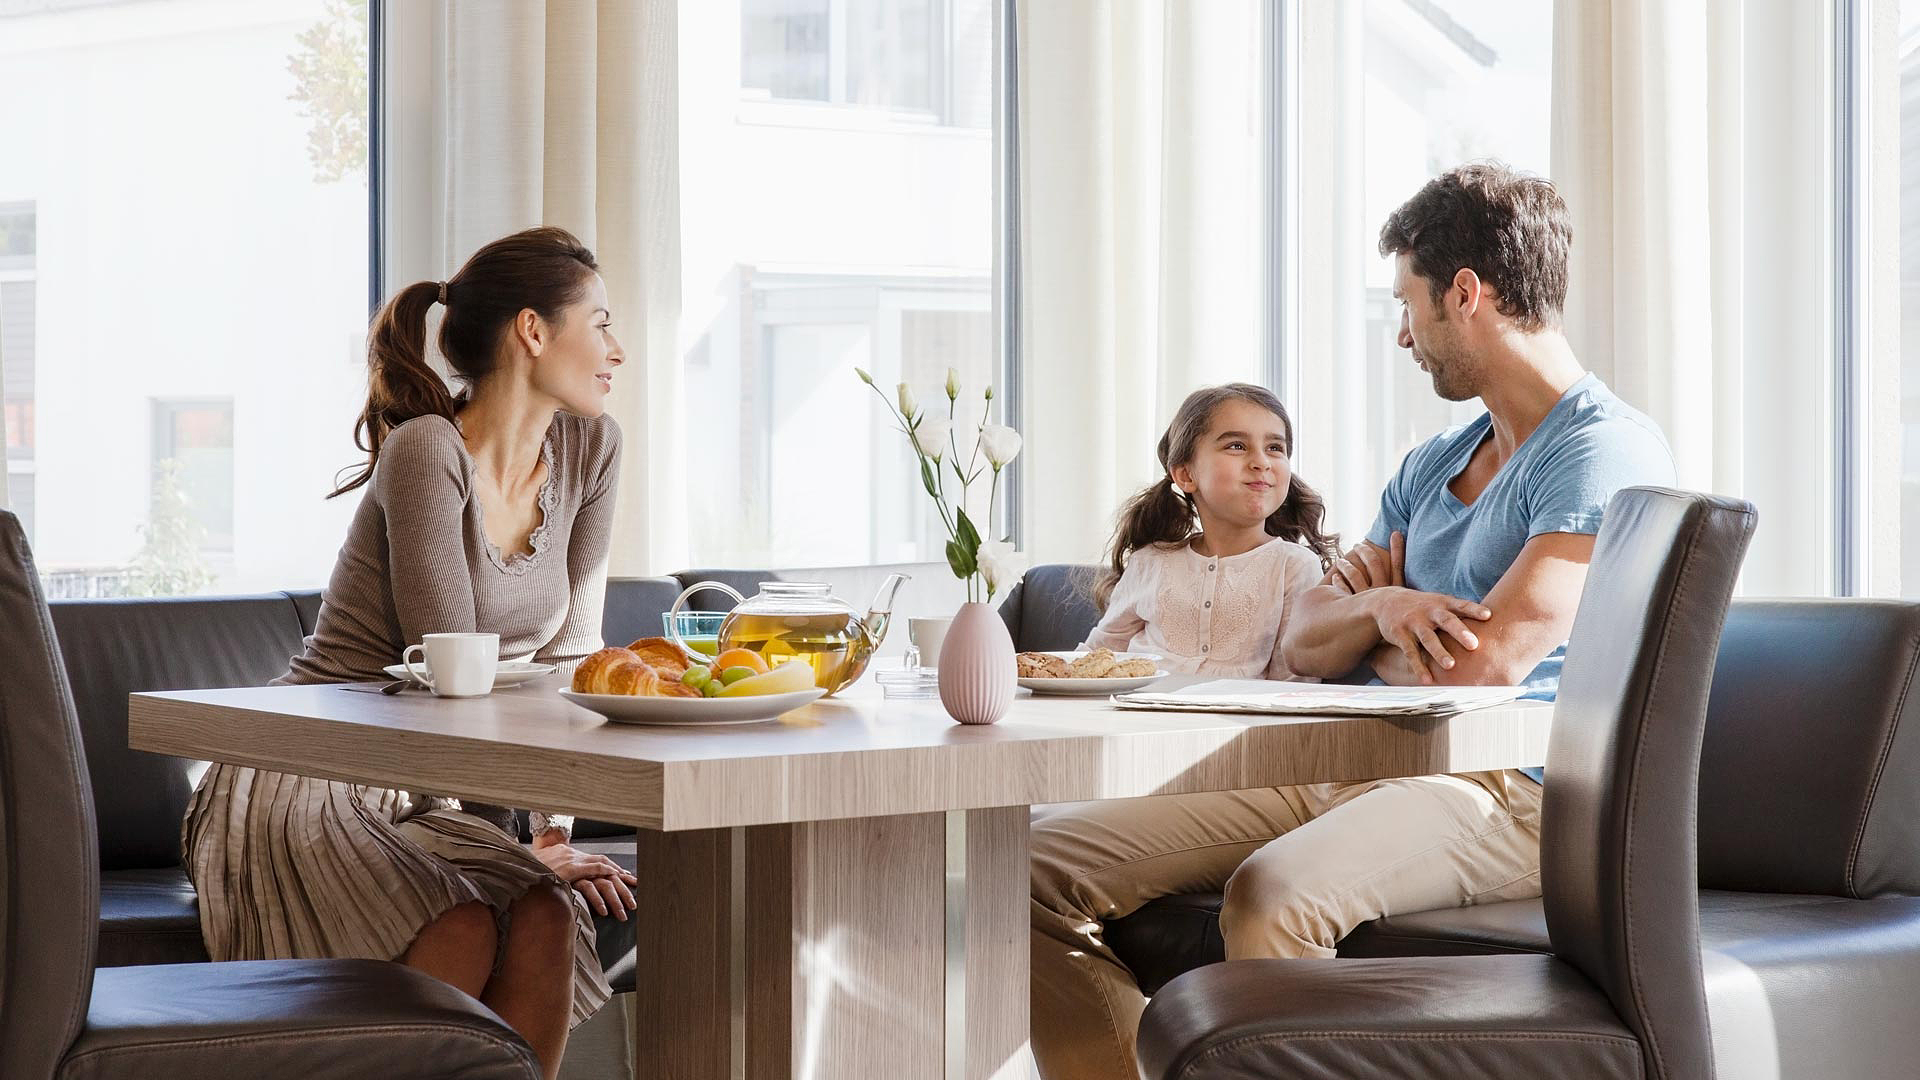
(458, 665)
(928, 635)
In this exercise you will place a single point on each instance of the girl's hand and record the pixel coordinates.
(606, 887)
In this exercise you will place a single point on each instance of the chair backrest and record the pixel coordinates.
(49, 871)
(1052, 608)
(1618, 869)
(115, 647)
(1810, 773)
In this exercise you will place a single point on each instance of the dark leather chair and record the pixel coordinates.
(61, 1017)
(1809, 846)
(1622, 995)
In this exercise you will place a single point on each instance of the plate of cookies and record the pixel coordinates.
(1095, 672)
(653, 682)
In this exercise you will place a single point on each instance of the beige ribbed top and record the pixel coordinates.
(417, 561)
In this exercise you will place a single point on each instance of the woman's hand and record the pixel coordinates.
(606, 887)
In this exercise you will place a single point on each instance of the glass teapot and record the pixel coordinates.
(796, 620)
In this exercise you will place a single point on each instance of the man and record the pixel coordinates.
(1470, 575)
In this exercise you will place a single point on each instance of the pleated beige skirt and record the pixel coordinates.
(294, 867)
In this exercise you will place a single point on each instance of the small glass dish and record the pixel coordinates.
(909, 680)
(699, 629)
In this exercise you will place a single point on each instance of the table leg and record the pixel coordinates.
(866, 947)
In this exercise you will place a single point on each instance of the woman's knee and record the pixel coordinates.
(471, 922)
(463, 930)
(546, 910)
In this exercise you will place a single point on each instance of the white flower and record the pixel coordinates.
(1000, 443)
(931, 437)
(953, 383)
(906, 401)
(1000, 565)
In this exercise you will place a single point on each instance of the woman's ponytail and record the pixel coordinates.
(400, 383)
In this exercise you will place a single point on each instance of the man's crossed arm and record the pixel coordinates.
(1363, 612)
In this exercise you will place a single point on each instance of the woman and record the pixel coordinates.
(488, 511)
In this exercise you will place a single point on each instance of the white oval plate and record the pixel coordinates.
(693, 712)
(1094, 687)
(508, 673)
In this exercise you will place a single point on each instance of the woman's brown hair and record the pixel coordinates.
(545, 269)
(1163, 514)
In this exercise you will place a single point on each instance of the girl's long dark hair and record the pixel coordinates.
(1163, 514)
(544, 269)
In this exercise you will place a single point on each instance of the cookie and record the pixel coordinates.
(1098, 664)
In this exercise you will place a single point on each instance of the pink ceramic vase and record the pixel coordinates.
(976, 666)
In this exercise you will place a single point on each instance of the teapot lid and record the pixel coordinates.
(795, 590)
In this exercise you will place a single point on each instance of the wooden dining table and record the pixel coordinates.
(838, 893)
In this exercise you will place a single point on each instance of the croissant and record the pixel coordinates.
(612, 670)
(615, 670)
(662, 654)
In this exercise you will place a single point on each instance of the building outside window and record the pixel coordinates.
(183, 277)
(837, 212)
(17, 245)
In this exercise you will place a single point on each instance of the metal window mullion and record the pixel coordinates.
(1849, 315)
(376, 154)
(1006, 142)
(1282, 188)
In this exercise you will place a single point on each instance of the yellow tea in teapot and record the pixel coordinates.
(834, 645)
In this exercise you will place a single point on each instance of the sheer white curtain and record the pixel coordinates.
(1141, 252)
(1689, 143)
(558, 112)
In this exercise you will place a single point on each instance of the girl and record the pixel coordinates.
(1299, 866)
(1204, 569)
(1212, 602)
(487, 511)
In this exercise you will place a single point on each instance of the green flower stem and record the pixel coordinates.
(908, 426)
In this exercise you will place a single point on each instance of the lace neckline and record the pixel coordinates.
(519, 563)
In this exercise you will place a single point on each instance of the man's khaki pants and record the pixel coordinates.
(1300, 867)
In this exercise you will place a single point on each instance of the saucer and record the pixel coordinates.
(509, 673)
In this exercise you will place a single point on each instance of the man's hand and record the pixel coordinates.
(1366, 566)
(1412, 622)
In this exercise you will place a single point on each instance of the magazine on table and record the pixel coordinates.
(1321, 699)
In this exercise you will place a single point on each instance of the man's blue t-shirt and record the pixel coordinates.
(1590, 445)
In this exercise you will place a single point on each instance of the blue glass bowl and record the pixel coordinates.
(699, 629)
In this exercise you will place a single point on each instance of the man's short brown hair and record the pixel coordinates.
(1508, 227)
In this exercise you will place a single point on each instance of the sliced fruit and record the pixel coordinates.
(746, 658)
(784, 679)
(734, 674)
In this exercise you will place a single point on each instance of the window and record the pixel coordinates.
(906, 56)
(183, 219)
(1420, 61)
(1908, 59)
(193, 471)
(854, 231)
(17, 244)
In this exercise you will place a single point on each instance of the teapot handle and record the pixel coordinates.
(673, 621)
